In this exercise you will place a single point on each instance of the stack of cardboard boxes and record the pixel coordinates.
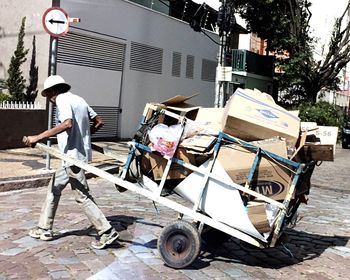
(249, 115)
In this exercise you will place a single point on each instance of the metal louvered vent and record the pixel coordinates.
(176, 69)
(208, 70)
(189, 66)
(89, 51)
(110, 117)
(146, 58)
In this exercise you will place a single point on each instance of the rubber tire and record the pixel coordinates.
(344, 144)
(179, 244)
(213, 236)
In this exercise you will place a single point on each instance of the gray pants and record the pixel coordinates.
(76, 177)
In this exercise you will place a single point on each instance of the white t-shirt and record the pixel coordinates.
(76, 141)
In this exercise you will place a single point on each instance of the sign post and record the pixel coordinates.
(56, 23)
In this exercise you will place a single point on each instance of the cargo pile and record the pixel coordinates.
(249, 115)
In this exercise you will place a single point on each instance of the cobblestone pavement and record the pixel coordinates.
(318, 247)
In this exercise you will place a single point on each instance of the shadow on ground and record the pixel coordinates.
(300, 246)
(120, 223)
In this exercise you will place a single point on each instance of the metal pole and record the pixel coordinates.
(219, 84)
(223, 64)
(217, 79)
(52, 71)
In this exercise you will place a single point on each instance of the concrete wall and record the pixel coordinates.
(18, 123)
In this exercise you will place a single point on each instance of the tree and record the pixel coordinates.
(32, 91)
(16, 81)
(285, 26)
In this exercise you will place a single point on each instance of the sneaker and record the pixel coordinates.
(105, 239)
(42, 234)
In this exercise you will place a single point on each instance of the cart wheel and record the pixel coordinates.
(213, 236)
(179, 244)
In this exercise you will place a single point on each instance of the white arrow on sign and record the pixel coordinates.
(55, 21)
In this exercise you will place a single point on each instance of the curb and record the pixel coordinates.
(37, 181)
(24, 182)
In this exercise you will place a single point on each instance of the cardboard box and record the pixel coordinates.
(211, 118)
(316, 152)
(178, 105)
(150, 109)
(253, 115)
(270, 179)
(257, 215)
(323, 144)
(200, 143)
(156, 164)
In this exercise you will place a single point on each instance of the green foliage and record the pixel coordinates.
(32, 91)
(2, 85)
(283, 23)
(4, 97)
(322, 113)
(16, 81)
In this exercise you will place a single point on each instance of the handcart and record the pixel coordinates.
(207, 189)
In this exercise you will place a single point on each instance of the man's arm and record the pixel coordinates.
(97, 123)
(67, 124)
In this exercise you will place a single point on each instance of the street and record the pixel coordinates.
(317, 248)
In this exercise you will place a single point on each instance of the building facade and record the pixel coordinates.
(120, 56)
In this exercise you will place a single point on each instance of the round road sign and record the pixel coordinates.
(55, 21)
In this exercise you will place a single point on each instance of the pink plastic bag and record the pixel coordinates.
(165, 138)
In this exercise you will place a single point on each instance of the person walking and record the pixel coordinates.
(74, 139)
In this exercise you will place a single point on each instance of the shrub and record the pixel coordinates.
(322, 113)
(4, 97)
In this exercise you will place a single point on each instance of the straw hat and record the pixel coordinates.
(55, 81)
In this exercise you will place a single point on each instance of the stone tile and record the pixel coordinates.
(320, 242)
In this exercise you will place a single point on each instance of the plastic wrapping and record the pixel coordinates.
(165, 138)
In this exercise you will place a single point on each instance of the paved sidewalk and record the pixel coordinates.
(318, 247)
